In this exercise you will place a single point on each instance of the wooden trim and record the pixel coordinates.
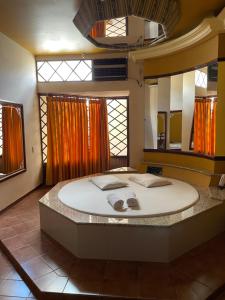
(176, 111)
(186, 153)
(182, 71)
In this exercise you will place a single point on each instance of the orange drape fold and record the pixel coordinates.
(99, 137)
(67, 137)
(205, 126)
(98, 30)
(77, 137)
(12, 151)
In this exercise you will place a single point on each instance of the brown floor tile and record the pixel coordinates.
(14, 288)
(14, 243)
(51, 283)
(24, 254)
(7, 232)
(78, 286)
(5, 270)
(120, 288)
(116, 270)
(36, 268)
(88, 270)
(11, 298)
(187, 288)
(59, 259)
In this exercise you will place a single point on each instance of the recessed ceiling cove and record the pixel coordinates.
(127, 24)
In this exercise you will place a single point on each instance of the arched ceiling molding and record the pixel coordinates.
(207, 29)
(164, 12)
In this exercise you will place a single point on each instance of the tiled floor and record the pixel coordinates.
(12, 287)
(52, 269)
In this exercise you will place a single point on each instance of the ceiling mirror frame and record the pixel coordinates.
(24, 168)
(153, 81)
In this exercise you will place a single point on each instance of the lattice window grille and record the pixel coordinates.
(200, 79)
(117, 124)
(116, 27)
(43, 120)
(67, 70)
(1, 134)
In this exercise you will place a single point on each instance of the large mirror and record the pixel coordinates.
(12, 150)
(189, 101)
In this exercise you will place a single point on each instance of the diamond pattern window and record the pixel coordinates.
(117, 124)
(67, 70)
(116, 27)
(1, 136)
(201, 79)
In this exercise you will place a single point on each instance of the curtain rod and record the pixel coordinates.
(82, 96)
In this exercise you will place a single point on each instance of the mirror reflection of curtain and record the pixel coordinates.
(205, 126)
(98, 30)
(12, 151)
(161, 135)
(76, 143)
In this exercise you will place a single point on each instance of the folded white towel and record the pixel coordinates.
(149, 180)
(131, 199)
(107, 182)
(115, 201)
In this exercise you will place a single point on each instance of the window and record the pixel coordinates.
(116, 27)
(1, 137)
(117, 123)
(200, 79)
(67, 70)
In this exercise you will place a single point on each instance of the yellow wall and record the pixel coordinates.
(195, 170)
(184, 160)
(220, 115)
(175, 127)
(184, 60)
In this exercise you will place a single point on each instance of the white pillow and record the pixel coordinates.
(107, 182)
(149, 180)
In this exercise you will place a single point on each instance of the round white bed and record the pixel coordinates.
(82, 195)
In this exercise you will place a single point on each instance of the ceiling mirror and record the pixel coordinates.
(189, 100)
(12, 148)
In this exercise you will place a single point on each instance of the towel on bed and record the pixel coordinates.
(107, 182)
(131, 199)
(115, 201)
(149, 180)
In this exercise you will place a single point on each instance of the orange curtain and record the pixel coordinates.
(67, 131)
(204, 126)
(99, 138)
(98, 30)
(12, 152)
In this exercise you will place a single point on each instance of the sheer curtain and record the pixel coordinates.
(98, 30)
(205, 125)
(99, 137)
(12, 152)
(77, 137)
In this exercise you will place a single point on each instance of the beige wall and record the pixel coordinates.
(184, 60)
(18, 84)
(114, 88)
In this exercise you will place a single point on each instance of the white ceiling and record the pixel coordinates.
(43, 26)
(46, 26)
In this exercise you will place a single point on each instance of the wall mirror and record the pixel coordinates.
(161, 134)
(12, 148)
(189, 100)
